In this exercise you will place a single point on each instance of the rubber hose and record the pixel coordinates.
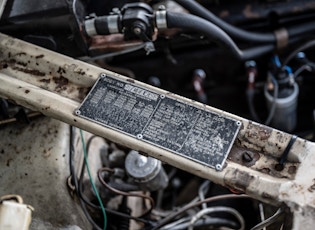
(196, 9)
(214, 33)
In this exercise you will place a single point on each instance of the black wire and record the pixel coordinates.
(214, 33)
(195, 8)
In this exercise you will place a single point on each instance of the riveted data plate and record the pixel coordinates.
(177, 126)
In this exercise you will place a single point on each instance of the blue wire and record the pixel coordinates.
(91, 179)
(276, 60)
(288, 69)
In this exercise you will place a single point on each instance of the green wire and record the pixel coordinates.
(92, 182)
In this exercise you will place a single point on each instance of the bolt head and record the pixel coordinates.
(137, 30)
(247, 157)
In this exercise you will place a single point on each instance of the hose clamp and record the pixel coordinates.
(282, 38)
(90, 27)
(160, 19)
(112, 24)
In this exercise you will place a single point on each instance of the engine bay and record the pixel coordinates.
(241, 75)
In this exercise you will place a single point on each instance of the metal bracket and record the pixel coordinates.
(55, 85)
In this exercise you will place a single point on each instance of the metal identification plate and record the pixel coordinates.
(174, 125)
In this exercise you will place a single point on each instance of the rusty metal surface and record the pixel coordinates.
(255, 172)
(34, 164)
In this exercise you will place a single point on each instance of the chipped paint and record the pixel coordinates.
(59, 91)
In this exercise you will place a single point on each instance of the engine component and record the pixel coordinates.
(193, 140)
(146, 171)
(134, 21)
(286, 107)
(14, 214)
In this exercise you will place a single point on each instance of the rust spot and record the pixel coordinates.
(243, 156)
(257, 132)
(266, 195)
(46, 153)
(45, 80)
(9, 161)
(61, 70)
(39, 56)
(240, 181)
(80, 71)
(312, 187)
(265, 170)
(279, 167)
(30, 71)
(4, 66)
(27, 91)
(292, 169)
(20, 54)
(130, 80)
(21, 63)
(82, 93)
(61, 81)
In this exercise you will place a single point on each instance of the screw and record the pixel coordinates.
(247, 157)
(137, 30)
(77, 112)
(139, 136)
(102, 75)
(218, 167)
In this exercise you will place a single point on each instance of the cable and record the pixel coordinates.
(91, 180)
(203, 212)
(305, 46)
(302, 69)
(175, 223)
(213, 222)
(250, 101)
(268, 221)
(83, 198)
(88, 144)
(195, 8)
(262, 213)
(75, 179)
(214, 33)
(79, 188)
(99, 173)
(203, 189)
(189, 206)
(275, 96)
